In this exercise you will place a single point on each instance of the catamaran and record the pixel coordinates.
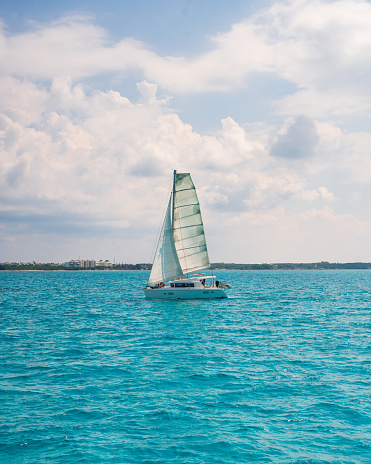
(181, 250)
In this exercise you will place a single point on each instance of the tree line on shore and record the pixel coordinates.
(323, 265)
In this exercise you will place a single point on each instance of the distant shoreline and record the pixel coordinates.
(322, 265)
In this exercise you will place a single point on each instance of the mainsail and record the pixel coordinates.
(188, 229)
(166, 263)
(182, 246)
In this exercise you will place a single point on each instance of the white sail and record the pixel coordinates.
(189, 236)
(166, 264)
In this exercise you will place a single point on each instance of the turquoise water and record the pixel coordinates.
(91, 372)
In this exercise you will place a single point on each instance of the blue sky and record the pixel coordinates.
(187, 21)
(266, 103)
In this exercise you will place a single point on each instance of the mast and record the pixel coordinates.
(173, 205)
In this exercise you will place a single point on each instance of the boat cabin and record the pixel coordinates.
(196, 281)
(199, 281)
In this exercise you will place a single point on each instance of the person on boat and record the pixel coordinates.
(217, 283)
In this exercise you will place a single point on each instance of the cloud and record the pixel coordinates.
(149, 94)
(321, 47)
(314, 235)
(299, 141)
(99, 155)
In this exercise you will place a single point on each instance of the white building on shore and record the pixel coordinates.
(104, 264)
(80, 264)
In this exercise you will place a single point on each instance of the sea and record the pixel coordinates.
(279, 372)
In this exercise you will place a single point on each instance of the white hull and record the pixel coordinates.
(169, 293)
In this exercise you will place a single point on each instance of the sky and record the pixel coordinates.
(266, 103)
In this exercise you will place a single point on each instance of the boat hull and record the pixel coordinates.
(168, 293)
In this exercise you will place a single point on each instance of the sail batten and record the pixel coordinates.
(186, 227)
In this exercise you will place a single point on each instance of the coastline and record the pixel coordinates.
(317, 266)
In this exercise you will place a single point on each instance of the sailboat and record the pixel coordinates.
(182, 250)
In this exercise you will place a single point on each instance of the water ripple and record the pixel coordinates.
(277, 373)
